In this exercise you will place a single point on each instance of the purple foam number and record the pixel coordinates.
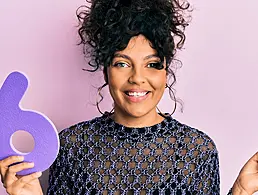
(13, 118)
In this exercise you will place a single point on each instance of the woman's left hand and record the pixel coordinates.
(247, 180)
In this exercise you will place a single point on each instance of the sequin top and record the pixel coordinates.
(100, 156)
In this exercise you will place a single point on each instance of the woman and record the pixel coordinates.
(134, 149)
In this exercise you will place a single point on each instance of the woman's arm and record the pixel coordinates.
(208, 178)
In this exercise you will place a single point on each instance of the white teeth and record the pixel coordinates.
(137, 94)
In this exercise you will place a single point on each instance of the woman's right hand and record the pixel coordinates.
(19, 185)
(247, 180)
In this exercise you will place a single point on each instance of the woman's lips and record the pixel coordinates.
(136, 99)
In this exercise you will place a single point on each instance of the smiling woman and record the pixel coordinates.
(136, 149)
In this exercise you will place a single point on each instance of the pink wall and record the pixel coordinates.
(217, 82)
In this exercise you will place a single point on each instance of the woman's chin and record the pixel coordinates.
(134, 113)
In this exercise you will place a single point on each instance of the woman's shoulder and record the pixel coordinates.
(74, 131)
(193, 137)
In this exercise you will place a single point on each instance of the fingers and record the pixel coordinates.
(11, 172)
(255, 157)
(19, 167)
(251, 165)
(5, 163)
(12, 182)
(20, 183)
(27, 179)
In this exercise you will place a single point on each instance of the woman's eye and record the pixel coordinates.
(157, 65)
(121, 64)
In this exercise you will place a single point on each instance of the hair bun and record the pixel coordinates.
(126, 3)
(108, 25)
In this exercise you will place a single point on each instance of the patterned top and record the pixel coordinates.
(101, 156)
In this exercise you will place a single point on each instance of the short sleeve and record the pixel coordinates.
(59, 180)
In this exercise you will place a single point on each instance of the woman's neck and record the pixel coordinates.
(149, 119)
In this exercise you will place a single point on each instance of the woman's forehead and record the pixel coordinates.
(138, 47)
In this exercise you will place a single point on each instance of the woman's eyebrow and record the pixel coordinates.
(128, 57)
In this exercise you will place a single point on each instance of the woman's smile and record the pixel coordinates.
(136, 96)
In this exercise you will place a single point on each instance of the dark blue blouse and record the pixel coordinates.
(101, 156)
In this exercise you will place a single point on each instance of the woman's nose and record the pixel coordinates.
(137, 77)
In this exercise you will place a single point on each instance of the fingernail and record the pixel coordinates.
(21, 157)
(38, 174)
(31, 164)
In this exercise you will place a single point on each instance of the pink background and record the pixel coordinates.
(218, 81)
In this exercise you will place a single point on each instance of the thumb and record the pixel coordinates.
(251, 165)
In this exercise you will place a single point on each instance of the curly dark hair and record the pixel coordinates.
(107, 26)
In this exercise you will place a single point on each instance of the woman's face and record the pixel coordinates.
(136, 79)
